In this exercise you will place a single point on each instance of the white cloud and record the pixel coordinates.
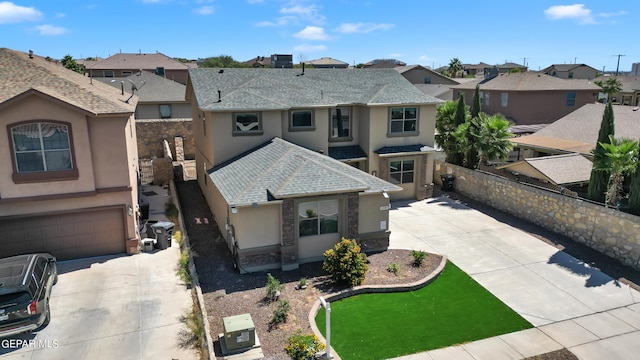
(613, 14)
(305, 12)
(350, 28)
(50, 30)
(204, 10)
(281, 21)
(426, 58)
(575, 11)
(151, 1)
(60, 15)
(11, 13)
(395, 55)
(306, 48)
(255, 1)
(312, 33)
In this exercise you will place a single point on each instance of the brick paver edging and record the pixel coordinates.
(370, 289)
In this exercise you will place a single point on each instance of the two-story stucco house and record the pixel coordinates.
(571, 71)
(125, 64)
(529, 98)
(68, 183)
(291, 160)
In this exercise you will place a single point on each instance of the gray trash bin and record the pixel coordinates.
(447, 182)
(163, 231)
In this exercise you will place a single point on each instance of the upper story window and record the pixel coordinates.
(570, 99)
(401, 172)
(42, 151)
(340, 124)
(108, 73)
(300, 120)
(570, 75)
(427, 79)
(403, 120)
(165, 111)
(504, 99)
(247, 124)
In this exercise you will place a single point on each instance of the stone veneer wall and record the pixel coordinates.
(150, 134)
(614, 233)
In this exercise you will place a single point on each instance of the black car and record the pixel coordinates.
(25, 287)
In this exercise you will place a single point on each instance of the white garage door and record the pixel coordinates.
(67, 236)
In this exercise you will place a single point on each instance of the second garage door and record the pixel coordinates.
(90, 232)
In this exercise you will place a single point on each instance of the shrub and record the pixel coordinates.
(394, 268)
(418, 257)
(183, 268)
(273, 288)
(171, 212)
(303, 346)
(280, 313)
(345, 263)
(302, 283)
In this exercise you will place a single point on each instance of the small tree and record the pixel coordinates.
(303, 346)
(280, 314)
(71, 64)
(345, 263)
(622, 156)
(599, 174)
(634, 191)
(455, 67)
(273, 288)
(446, 124)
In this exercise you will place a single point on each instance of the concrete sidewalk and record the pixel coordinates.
(572, 305)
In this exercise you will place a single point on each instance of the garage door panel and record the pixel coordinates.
(67, 236)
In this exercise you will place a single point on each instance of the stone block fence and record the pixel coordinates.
(612, 232)
(150, 134)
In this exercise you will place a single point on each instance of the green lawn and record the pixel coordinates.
(454, 309)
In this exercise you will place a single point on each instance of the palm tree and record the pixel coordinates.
(634, 191)
(455, 67)
(446, 124)
(622, 156)
(610, 86)
(493, 141)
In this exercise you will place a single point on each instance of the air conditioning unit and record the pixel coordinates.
(239, 333)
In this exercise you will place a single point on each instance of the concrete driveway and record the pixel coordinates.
(572, 305)
(112, 307)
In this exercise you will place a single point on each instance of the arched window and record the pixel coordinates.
(42, 151)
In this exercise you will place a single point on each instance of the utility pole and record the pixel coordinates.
(618, 67)
(524, 61)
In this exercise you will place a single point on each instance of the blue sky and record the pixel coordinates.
(355, 31)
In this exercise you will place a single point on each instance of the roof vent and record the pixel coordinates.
(219, 96)
(30, 54)
(220, 71)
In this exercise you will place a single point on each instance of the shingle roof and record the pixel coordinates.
(346, 152)
(529, 81)
(281, 169)
(20, 74)
(403, 149)
(155, 89)
(280, 89)
(565, 67)
(126, 61)
(560, 169)
(327, 61)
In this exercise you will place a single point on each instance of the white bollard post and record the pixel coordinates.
(327, 315)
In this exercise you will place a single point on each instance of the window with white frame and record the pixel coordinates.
(301, 120)
(401, 172)
(247, 124)
(340, 124)
(318, 217)
(570, 99)
(486, 98)
(504, 99)
(403, 120)
(41, 147)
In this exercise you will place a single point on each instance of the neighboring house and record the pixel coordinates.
(383, 64)
(259, 61)
(630, 94)
(161, 113)
(571, 71)
(126, 64)
(69, 185)
(475, 69)
(328, 63)
(577, 132)
(509, 67)
(529, 98)
(429, 82)
(566, 170)
(290, 161)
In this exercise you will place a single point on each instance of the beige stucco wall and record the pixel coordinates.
(152, 110)
(257, 227)
(312, 248)
(316, 139)
(373, 210)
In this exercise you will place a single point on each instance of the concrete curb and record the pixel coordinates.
(370, 289)
(192, 268)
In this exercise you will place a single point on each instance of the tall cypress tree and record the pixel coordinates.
(634, 191)
(457, 157)
(600, 178)
(471, 156)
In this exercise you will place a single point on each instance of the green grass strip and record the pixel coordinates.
(454, 309)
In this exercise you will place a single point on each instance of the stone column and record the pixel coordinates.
(179, 144)
(289, 248)
(353, 211)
